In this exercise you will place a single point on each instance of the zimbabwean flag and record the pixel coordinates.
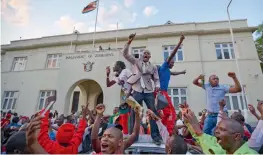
(90, 7)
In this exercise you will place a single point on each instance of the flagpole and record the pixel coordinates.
(72, 40)
(117, 36)
(95, 23)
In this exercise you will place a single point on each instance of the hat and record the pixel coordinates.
(65, 133)
(16, 142)
(8, 115)
(118, 126)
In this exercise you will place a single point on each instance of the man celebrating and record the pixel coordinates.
(169, 115)
(112, 139)
(141, 82)
(215, 93)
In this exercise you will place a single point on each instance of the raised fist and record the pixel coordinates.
(100, 108)
(131, 37)
(108, 70)
(182, 37)
(232, 74)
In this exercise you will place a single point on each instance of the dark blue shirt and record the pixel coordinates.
(164, 76)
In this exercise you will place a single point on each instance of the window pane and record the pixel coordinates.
(228, 103)
(218, 54)
(169, 91)
(5, 103)
(183, 99)
(180, 55)
(14, 104)
(233, 54)
(6, 94)
(242, 104)
(183, 91)
(172, 48)
(42, 94)
(135, 52)
(217, 45)
(12, 94)
(235, 102)
(224, 45)
(49, 63)
(226, 54)
(48, 94)
(165, 48)
(165, 55)
(136, 55)
(176, 102)
(54, 63)
(175, 91)
(41, 101)
(9, 103)
(231, 45)
(58, 63)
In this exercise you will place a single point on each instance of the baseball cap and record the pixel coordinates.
(118, 126)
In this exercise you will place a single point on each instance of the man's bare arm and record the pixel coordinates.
(237, 87)
(178, 73)
(176, 48)
(196, 81)
(136, 130)
(95, 142)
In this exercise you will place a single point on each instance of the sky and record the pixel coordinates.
(37, 18)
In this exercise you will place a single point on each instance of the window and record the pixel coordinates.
(224, 51)
(167, 50)
(235, 102)
(138, 51)
(178, 96)
(53, 60)
(19, 64)
(43, 96)
(9, 100)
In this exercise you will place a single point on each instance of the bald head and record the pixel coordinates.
(115, 132)
(234, 126)
(213, 80)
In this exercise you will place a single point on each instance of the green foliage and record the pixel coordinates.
(259, 43)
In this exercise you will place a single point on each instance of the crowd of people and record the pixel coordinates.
(92, 131)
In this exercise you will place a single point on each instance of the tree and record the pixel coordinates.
(259, 43)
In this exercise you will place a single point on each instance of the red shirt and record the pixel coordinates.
(53, 147)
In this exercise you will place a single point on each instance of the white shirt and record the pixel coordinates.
(180, 122)
(124, 76)
(256, 140)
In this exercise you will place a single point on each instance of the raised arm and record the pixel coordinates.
(178, 73)
(136, 129)
(176, 48)
(196, 81)
(126, 54)
(95, 142)
(77, 138)
(256, 140)
(237, 86)
(253, 111)
(109, 82)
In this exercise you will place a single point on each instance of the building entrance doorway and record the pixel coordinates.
(86, 91)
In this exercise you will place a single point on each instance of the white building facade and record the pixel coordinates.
(33, 69)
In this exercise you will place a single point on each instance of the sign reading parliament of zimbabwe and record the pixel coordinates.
(90, 55)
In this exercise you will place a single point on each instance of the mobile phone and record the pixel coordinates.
(49, 103)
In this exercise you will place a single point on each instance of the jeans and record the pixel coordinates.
(210, 124)
(149, 100)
